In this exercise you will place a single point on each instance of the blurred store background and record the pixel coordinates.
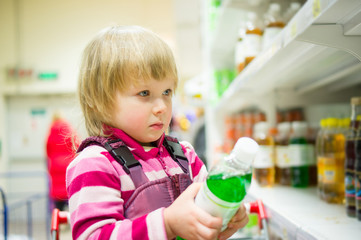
(40, 48)
(254, 68)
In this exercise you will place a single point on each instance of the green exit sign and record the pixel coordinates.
(48, 76)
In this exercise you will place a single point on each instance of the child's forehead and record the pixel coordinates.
(148, 82)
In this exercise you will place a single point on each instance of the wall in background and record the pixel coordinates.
(49, 36)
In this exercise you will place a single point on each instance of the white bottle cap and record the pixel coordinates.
(299, 128)
(284, 127)
(274, 7)
(245, 150)
(261, 129)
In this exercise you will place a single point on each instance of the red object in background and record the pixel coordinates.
(60, 151)
(58, 218)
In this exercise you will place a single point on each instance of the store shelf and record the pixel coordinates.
(316, 59)
(315, 50)
(300, 214)
(37, 88)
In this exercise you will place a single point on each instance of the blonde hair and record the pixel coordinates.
(117, 57)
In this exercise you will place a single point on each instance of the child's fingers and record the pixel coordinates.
(208, 220)
(192, 190)
(232, 228)
(240, 214)
(204, 232)
(239, 223)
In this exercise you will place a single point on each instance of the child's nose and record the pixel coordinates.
(160, 106)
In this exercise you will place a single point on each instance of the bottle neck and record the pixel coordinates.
(355, 111)
(232, 161)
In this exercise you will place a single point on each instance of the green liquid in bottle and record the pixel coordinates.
(299, 174)
(227, 183)
(231, 189)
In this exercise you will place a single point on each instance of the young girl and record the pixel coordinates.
(129, 180)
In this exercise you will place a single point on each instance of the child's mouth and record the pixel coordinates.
(157, 126)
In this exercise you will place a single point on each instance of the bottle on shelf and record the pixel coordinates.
(350, 188)
(301, 155)
(228, 181)
(249, 121)
(295, 114)
(333, 162)
(358, 170)
(291, 11)
(282, 166)
(240, 50)
(229, 136)
(274, 24)
(263, 165)
(311, 140)
(253, 37)
(320, 156)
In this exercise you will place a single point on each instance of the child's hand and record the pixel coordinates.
(183, 218)
(239, 220)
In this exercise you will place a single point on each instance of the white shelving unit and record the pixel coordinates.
(313, 51)
(300, 214)
(316, 59)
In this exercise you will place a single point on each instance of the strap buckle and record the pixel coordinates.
(122, 155)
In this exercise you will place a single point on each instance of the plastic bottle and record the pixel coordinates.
(311, 140)
(320, 156)
(228, 181)
(240, 51)
(253, 37)
(301, 155)
(263, 165)
(333, 152)
(340, 140)
(283, 164)
(358, 170)
(350, 162)
(291, 11)
(274, 24)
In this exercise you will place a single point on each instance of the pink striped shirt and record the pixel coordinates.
(98, 188)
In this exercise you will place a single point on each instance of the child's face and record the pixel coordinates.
(144, 111)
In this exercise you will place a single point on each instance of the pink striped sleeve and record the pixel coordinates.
(198, 169)
(95, 201)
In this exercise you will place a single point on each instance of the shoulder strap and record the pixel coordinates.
(120, 152)
(176, 152)
(125, 158)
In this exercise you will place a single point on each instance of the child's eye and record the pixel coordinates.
(144, 93)
(167, 92)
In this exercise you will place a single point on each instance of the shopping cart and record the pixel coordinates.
(24, 205)
(62, 217)
(258, 231)
(58, 218)
(4, 213)
(258, 208)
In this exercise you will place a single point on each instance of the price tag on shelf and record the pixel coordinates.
(293, 29)
(290, 33)
(316, 8)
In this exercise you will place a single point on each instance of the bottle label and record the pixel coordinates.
(264, 157)
(282, 158)
(329, 174)
(239, 53)
(206, 200)
(320, 169)
(301, 154)
(358, 187)
(332, 169)
(253, 44)
(269, 36)
(349, 183)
